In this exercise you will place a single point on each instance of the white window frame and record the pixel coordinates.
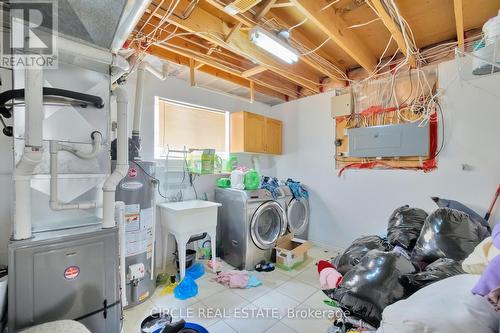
(160, 154)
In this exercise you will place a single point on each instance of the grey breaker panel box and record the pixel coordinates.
(408, 139)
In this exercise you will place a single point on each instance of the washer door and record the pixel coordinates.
(298, 215)
(267, 224)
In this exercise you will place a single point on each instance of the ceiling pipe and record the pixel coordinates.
(132, 12)
(139, 99)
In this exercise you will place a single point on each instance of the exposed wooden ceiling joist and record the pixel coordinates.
(393, 28)
(333, 26)
(283, 4)
(297, 36)
(190, 49)
(459, 22)
(209, 27)
(236, 79)
(263, 9)
(253, 71)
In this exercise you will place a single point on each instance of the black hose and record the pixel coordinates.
(19, 93)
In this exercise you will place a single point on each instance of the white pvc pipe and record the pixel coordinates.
(96, 147)
(33, 85)
(139, 97)
(121, 169)
(55, 147)
(32, 155)
(120, 214)
(139, 93)
(131, 14)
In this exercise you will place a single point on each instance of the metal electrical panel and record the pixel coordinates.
(400, 140)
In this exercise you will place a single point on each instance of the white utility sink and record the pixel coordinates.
(186, 218)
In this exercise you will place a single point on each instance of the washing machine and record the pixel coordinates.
(297, 213)
(250, 223)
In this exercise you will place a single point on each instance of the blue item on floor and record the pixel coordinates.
(195, 271)
(253, 282)
(196, 328)
(186, 289)
(298, 190)
(270, 184)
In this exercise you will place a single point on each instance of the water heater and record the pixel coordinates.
(137, 191)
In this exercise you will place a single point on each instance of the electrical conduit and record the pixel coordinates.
(121, 168)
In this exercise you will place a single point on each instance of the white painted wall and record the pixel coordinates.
(361, 201)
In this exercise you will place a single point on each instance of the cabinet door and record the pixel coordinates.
(274, 129)
(255, 132)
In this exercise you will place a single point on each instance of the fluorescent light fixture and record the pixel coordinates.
(274, 45)
(231, 10)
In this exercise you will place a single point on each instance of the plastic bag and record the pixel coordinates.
(196, 271)
(448, 233)
(357, 250)
(405, 225)
(447, 306)
(440, 269)
(373, 284)
(446, 203)
(186, 289)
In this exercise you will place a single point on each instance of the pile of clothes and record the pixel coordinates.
(420, 249)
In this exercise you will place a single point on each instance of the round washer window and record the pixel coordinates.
(267, 223)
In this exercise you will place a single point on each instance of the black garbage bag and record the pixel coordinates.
(374, 284)
(405, 225)
(357, 250)
(440, 269)
(448, 233)
(453, 204)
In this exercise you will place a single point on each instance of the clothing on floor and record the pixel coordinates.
(490, 279)
(253, 282)
(482, 255)
(217, 263)
(329, 277)
(237, 279)
(297, 189)
(271, 184)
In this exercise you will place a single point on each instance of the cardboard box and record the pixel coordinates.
(291, 252)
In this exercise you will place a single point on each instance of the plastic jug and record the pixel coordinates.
(230, 164)
(237, 179)
(252, 180)
(223, 182)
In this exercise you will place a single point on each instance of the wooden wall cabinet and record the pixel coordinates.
(253, 133)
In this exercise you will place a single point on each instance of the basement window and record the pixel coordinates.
(180, 126)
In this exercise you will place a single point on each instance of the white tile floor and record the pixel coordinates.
(280, 292)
